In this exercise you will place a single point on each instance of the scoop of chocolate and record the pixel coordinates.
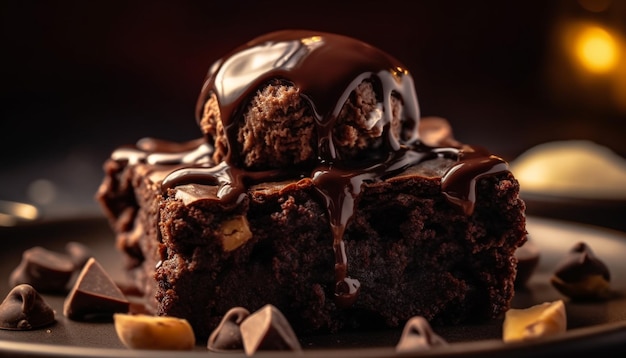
(227, 335)
(25, 309)
(582, 276)
(418, 335)
(94, 296)
(45, 270)
(290, 97)
(267, 329)
(527, 257)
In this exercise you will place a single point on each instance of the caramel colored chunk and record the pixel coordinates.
(154, 332)
(541, 320)
(234, 233)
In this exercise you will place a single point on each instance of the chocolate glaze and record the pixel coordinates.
(326, 68)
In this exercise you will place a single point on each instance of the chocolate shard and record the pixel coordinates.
(418, 335)
(267, 329)
(25, 309)
(94, 296)
(227, 335)
(45, 270)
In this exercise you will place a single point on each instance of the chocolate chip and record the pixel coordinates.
(94, 296)
(527, 257)
(45, 270)
(582, 276)
(418, 335)
(227, 335)
(580, 262)
(25, 309)
(268, 329)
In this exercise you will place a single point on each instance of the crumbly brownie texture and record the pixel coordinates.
(413, 252)
(131, 201)
(278, 127)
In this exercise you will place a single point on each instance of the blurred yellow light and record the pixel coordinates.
(597, 50)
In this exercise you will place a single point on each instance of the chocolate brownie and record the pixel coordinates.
(317, 188)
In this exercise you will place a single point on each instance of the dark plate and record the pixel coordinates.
(592, 327)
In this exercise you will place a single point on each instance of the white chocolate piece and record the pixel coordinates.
(142, 331)
(571, 168)
(541, 320)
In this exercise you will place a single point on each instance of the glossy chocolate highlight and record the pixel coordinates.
(326, 68)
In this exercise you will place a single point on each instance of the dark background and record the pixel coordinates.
(80, 78)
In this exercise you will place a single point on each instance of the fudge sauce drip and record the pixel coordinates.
(326, 68)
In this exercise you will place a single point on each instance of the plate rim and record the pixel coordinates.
(612, 335)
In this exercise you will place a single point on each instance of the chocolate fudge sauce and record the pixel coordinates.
(326, 68)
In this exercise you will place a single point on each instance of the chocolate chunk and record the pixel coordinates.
(94, 296)
(418, 335)
(25, 309)
(267, 329)
(527, 257)
(581, 262)
(79, 253)
(227, 335)
(45, 270)
(581, 275)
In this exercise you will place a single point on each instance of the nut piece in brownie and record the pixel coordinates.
(313, 190)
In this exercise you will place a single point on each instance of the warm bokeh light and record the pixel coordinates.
(11, 213)
(588, 64)
(596, 49)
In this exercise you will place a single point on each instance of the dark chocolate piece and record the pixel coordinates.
(268, 330)
(79, 253)
(227, 335)
(418, 335)
(94, 296)
(527, 257)
(25, 309)
(581, 262)
(45, 270)
(582, 276)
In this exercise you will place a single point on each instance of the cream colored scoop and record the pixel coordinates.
(573, 169)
